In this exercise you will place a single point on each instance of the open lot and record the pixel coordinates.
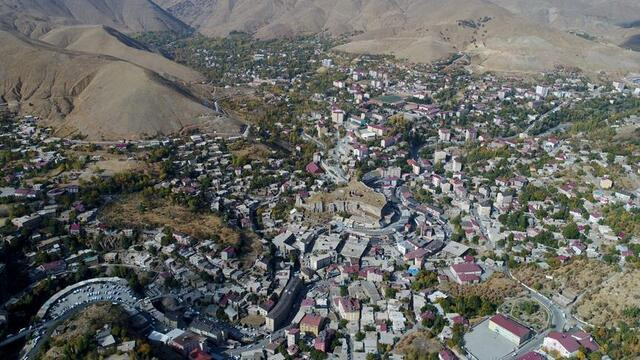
(126, 212)
(605, 305)
(418, 343)
(497, 288)
(485, 344)
(574, 277)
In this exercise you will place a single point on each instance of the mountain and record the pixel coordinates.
(100, 97)
(36, 17)
(104, 40)
(613, 20)
(497, 38)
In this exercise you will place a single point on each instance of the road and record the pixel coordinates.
(557, 319)
(260, 345)
(544, 116)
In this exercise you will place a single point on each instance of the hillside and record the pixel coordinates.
(96, 96)
(104, 40)
(420, 30)
(616, 21)
(36, 17)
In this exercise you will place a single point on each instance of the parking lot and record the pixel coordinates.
(115, 292)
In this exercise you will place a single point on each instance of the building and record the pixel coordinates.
(292, 336)
(532, 356)
(319, 261)
(323, 341)
(568, 345)
(279, 314)
(208, 329)
(53, 267)
(509, 329)
(187, 342)
(446, 354)
(349, 308)
(466, 273)
(311, 324)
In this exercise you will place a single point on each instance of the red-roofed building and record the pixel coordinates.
(349, 308)
(198, 354)
(532, 356)
(567, 344)
(53, 267)
(509, 329)
(461, 320)
(323, 341)
(446, 354)
(466, 273)
(311, 323)
(313, 169)
(228, 253)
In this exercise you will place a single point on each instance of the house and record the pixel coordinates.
(53, 267)
(104, 338)
(323, 341)
(312, 324)
(292, 335)
(414, 166)
(532, 356)
(568, 345)
(509, 329)
(228, 253)
(446, 354)
(466, 273)
(74, 229)
(313, 169)
(187, 342)
(444, 134)
(349, 308)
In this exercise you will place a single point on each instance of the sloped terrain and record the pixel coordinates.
(95, 96)
(104, 40)
(612, 20)
(36, 17)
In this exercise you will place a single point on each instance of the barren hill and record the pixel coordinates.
(108, 41)
(97, 96)
(421, 30)
(36, 17)
(616, 21)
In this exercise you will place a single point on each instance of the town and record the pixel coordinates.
(372, 209)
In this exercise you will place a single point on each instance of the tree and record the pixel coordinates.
(571, 231)
(144, 350)
(390, 293)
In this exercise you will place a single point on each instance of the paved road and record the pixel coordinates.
(557, 319)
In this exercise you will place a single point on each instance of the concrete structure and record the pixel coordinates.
(311, 324)
(279, 314)
(349, 308)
